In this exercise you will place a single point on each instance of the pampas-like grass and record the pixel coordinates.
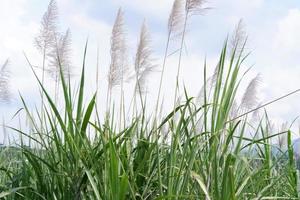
(55, 47)
(211, 83)
(192, 152)
(233, 110)
(60, 59)
(60, 56)
(5, 94)
(238, 38)
(176, 18)
(118, 66)
(175, 23)
(48, 31)
(250, 99)
(143, 61)
(282, 139)
(47, 37)
(194, 7)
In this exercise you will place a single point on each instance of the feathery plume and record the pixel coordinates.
(210, 84)
(48, 31)
(234, 110)
(5, 94)
(194, 7)
(282, 137)
(200, 96)
(256, 115)
(60, 56)
(143, 60)
(250, 99)
(175, 24)
(118, 66)
(191, 7)
(47, 37)
(270, 128)
(176, 17)
(238, 38)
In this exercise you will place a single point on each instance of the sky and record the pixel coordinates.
(273, 29)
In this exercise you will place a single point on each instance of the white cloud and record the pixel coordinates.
(17, 36)
(250, 3)
(279, 54)
(14, 33)
(287, 37)
(156, 8)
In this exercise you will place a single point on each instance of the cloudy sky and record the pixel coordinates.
(273, 28)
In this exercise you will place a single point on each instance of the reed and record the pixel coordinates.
(205, 148)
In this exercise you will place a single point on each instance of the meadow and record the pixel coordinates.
(213, 147)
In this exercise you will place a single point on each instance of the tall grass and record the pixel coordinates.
(5, 92)
(202, 149)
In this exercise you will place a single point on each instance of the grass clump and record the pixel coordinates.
(202, 149)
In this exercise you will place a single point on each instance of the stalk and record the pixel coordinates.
(162, 74)
(180, 58)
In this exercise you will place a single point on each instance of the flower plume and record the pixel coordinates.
(250, 100)
(194, 7)
(4, 82)
(210, 84)
(60, 56)
(143, 60)
(118, 66)
(282, 137)
(176, 17)
(48, 30)
(239, 38)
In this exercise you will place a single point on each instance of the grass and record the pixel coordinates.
(174, 160)
(196, 151)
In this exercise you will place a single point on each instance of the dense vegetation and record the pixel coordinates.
(210, 147)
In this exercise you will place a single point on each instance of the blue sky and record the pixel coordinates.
(273, 28)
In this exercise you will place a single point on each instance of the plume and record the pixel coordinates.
(282, 137)
(233, 110)
(194, 7)
(143, 60)
(5, 94)
(176, 17)
(61, 56)
(210, 84)
(48, 30)
(250, 99)
(118, 67)
(256, 115)
(270, 129)
(238, 38)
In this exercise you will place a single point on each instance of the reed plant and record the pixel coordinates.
(207, 147)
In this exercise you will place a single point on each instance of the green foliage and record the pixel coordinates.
(144, 161)
(197, 151)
